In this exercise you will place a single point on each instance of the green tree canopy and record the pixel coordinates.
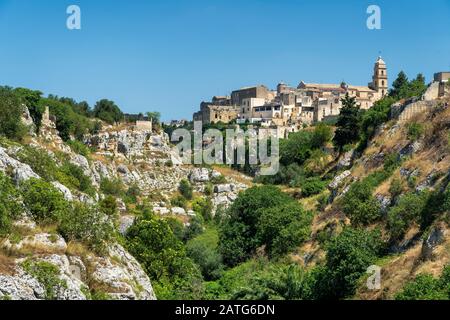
(107, 111)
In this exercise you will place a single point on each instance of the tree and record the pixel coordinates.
(283, 228)
(9, 203)
(249, 224)
(45, 203)
(154, 116)
(107, 111)
(321, 136)
(10, 115)
(399, 85)
(348, 257)
(348, 127)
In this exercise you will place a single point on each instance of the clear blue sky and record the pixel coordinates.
(169, 55)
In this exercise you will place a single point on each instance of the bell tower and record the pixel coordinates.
(380, 78)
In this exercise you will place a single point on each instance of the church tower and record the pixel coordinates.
(380, 78)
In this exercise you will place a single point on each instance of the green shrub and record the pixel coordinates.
(313, 186)
(179, 201)
(73, 177)
(88, 225)
(10, 115)
(360, 205)
(425, 287)
(79, 148)
(113, 187)
(46, 274)
(209, 260)
(414, 131)
(40, 161)
(9, 204)
(244, 230)
(348, 257)
(185, 189)
(282, 229)
(107, 111)
(163, 257)
(108, 206)
(407, 211)
(45, 203)
(204, 207)
(132, 194)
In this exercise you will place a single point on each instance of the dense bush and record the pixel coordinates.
(108, 206)
(360, 205)
(107, 111)
(9, 207)
(45, 203)
(204, 207)
(88, 225)
(47, 274)
(163, 257)
(414, 131)
(208, 259)
(40, 161)
(73, 177)
(185, 189)
(313, 186)
(283, 228)
(248, 217)
(407, 211)
(425, 287)
(10, 115)
(348, 257)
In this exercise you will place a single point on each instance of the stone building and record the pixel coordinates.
(260, 91)
(210, 113)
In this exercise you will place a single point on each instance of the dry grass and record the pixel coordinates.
(7, 264)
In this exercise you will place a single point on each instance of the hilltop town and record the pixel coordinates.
(289, 109)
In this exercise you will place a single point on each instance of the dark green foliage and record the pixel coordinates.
(179, 201)
(312, 186)
(281, 229)
(108, 206)
(9, 204)
(296, 149)
(155, 117)
(10, 115)
(373, 118)
(31, 98)
(402, 88)
(107, 111)
(194, 229)
(208, 259)
(348, 124)
(88, 225)
(45, 203)
(68, 122)
(348, 257)
(425, 287)
(414, 131)
(163, 257)
(132, 194)
(321, 136)
(73, 177)
(360, 205)
(407, 211)
(204, 207)
(40, 161)
(185, 189)
(248, 225)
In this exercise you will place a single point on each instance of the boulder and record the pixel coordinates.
(64, 190)
(434, 239)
